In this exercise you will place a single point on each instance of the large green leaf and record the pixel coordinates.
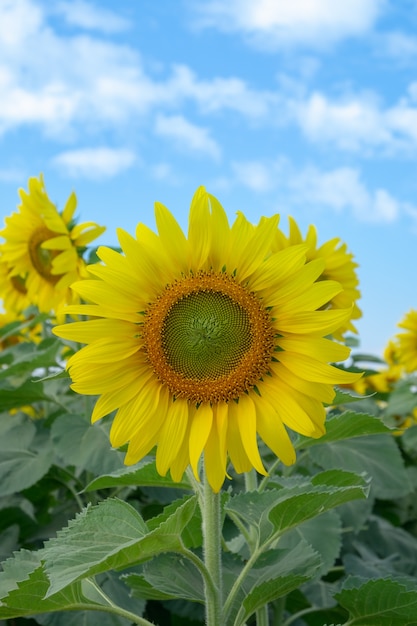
(403, 400)
(85, 445)
(380, 602)
(143, 474)
(158, 582)
(27, 393)
(377, 455)
(27, 597)
(323, 533)
(346, 425)
(278, 510)
(26, 453)
(111, 535)
(275, 574)
(30, 356)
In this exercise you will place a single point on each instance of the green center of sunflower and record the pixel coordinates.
(205, 335)
(208, 338)
(41, 257)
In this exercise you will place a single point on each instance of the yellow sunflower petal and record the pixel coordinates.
(273, 432)
(201, 424)
(314, 370)
(215, 452)
(235, 446)
(171, 435)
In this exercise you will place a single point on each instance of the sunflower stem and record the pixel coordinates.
(212, 551)
(251, 484)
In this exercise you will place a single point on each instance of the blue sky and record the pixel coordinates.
(305, 108)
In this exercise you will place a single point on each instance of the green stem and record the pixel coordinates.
(211, 516)
(111, 607)
(115, 610)
(262, 618)
(251, 484)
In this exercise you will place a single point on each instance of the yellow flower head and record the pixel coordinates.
(42, 247)
(16, 329)
(338, 265)
(203, 342)
(406, 343)
(13, 292)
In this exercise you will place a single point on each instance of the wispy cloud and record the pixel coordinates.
(90, 17)
(94, 83)
(94, 163)
(342, 189)
(359, 122)
(338, 190)
(187, 136)
(280, 24)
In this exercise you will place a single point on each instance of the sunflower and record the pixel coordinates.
(338, 265)
(203, 342)
(13, 292)
(383, 380)
(406, 343)
(43, 247)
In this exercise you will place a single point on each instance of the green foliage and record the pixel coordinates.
(85, 539)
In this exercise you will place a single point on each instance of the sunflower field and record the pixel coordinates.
(190, 434)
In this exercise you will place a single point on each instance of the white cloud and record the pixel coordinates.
(82, 83)
(11, 175)
(94, 163)
(283, 23)
(339, 189)
(398, 45)
(187, 136)
(342, 189)
(86, 15)
(254, 175)
(358, 122)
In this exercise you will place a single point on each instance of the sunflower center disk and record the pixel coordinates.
(205, 335)
(42, 258)
(208, 338)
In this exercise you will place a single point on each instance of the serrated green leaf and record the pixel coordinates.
(29, 600)
(26, 454)
(346, 396)
(27, 393)
(377, 455)
(142, 475)
(380, 602)
(142, 589)
(187, 582)
(323, 533)
(277, 510)
(85, 445)
(111, 535)
(403, 400)
(299, 508)
(275, 574)
(191, 534)
(31, 356)
(387, 548)
(346, 425)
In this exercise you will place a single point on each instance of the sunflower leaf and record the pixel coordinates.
(275, 574)
(285, 508)
(29, 356)
(157, 581)
(26, 454)
(346, 425)
(23, 584)
(368, 454)
(383, 602)
(22, 395)
(142, 475)
(110, 535)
